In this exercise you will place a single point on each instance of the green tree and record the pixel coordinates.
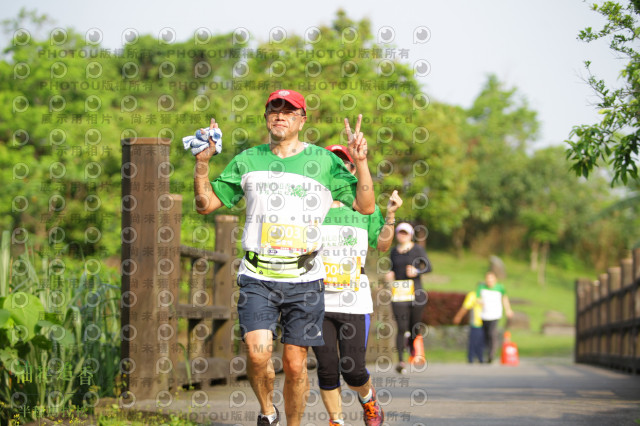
(560, 213)
(627, 210)
(65, 106)
(547, 204)
(616, 139)
(415, 145)
(499, 126)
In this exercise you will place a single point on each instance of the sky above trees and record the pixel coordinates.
(529, 45)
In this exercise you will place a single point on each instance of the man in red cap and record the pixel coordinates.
(289, 186)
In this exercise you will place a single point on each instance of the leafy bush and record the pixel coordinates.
(442, 307)
(59, 335)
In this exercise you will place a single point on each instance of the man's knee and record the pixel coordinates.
(258, 357)
(294, 367)
(294, 361)
(259, 346)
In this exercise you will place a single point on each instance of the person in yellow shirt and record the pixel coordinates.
(472, 303)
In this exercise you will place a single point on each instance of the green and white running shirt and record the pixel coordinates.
(346, 237)
(491, 300)
(287, 201)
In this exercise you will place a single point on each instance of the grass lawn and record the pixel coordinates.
(451, 273)
(530, 345)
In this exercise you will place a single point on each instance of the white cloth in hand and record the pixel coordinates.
(200, 141)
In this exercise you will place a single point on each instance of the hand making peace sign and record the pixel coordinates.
(356, 143)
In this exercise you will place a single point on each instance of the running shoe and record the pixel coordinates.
(373, 414)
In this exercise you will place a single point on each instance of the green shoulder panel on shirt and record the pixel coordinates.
(346, 216)
(497, 287)
(342, 182)
(227, 186)
(376, 222)
(313, 162)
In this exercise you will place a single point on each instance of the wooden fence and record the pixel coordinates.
(154, 360)
(608, 317)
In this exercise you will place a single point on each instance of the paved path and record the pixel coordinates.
(537, 392)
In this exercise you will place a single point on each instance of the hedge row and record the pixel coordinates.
(442, 307)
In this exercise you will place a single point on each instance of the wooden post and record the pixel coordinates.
(603, 316)
(142, 186)
(604, 286)
(596, 339)
(636, 264)
(589, 290)
(614, 291)
(636, 285)
(635, 311)
(614, 336)
(175, 214)
(614, 278)
(225, 284)
(626, 296)
(583, 308)
(626, 267)
(165, 240)
(594, 308)
(577, 349)
(604, 305)
(198, 298)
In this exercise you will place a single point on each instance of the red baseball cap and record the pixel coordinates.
(340, 151)
(291, 96)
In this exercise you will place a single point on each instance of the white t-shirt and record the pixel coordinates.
(346, 237)
(287, 201)
(491, 301)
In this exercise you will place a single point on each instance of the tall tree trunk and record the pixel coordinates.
(535, 247)
(543, 263)
(458, 240)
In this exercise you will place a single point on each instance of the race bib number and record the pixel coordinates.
(278, 238)
(342, 274)
(402, 291)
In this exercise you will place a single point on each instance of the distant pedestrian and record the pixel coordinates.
(408, 299)
(493, 297)
(472, 304)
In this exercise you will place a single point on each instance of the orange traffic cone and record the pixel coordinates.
(418, 351)
(509, 351)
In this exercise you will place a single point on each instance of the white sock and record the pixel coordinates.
(271, 417)
(339, 422)
(366, 398)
